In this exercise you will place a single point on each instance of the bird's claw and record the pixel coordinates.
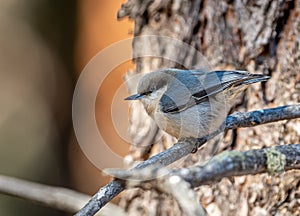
(197, 142)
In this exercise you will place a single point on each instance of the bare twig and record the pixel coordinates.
(55, 197)
(166, 182)
(258, 117)
(182, 192)
(179, 182)
(234, 163)
(273, 160)
(183, 148)
(105, 194)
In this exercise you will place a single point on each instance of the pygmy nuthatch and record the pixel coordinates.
(191, 103)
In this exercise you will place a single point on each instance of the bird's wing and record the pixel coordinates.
(193, 87)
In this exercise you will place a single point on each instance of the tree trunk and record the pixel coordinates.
(258, 36)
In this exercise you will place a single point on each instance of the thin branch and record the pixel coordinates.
(183, 193)
(259, 117)
(102, 197)
(273, 160)
(164, 181)
(184, 147)
(112, 189)
(179, 182)
(55, 197)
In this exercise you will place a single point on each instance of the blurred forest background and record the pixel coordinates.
(44, 46)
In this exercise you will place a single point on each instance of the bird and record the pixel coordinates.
(191, 103)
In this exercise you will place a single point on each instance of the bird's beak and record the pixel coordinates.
(134, 97)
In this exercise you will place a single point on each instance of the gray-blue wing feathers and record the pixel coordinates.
(192, 87)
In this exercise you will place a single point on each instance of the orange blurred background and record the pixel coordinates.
(98, 28)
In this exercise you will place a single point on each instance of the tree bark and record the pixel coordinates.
(261, 37)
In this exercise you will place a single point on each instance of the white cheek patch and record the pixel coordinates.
(156, 95)
(151, 101)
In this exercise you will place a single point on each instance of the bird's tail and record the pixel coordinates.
(239, 85)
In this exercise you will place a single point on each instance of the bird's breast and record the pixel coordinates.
(196, 121)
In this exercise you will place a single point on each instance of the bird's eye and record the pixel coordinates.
(147, 93)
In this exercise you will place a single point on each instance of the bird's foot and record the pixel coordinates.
(197, 142)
